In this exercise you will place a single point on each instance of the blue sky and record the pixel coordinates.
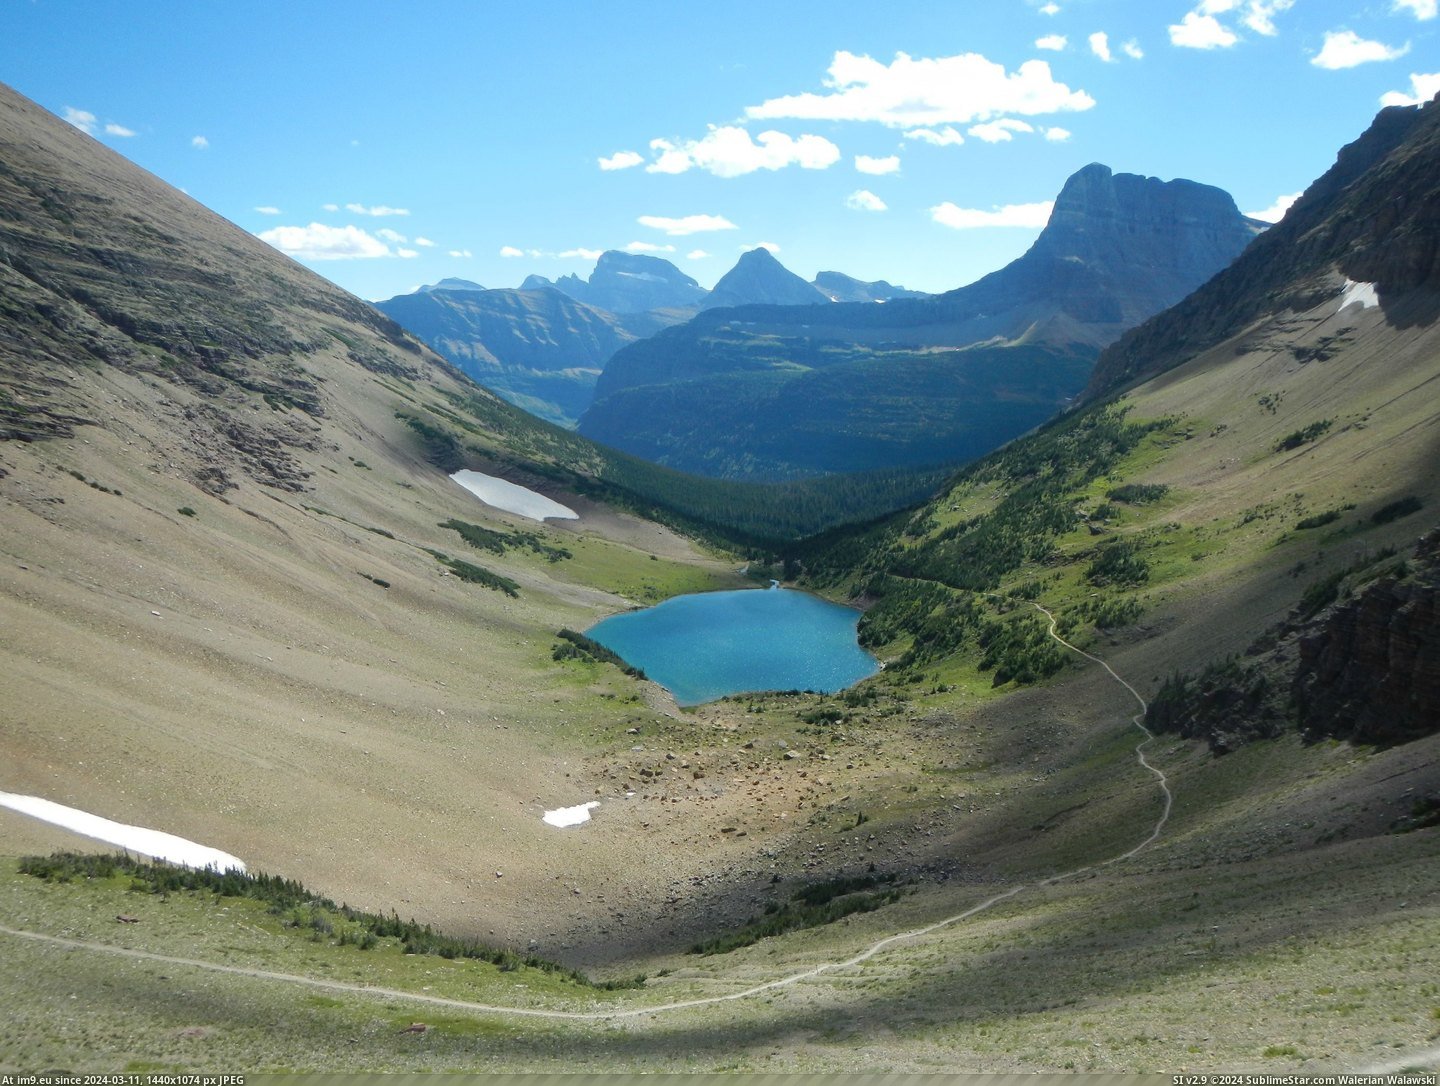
(387, 145)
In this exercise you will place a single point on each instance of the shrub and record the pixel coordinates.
(576, 646)
(1118, 562)
(808, 907)
(185, 511)
(1319, 520)
(1302, 437)
(473, 574)
(485, 539)
(1138, 493)
(1396, 509)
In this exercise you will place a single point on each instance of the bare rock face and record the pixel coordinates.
(1371, 671)
(1366, 669)
(1148, 242)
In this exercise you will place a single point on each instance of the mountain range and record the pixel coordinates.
(542, 347)
(241, 601)
(537, 348)
(770, 392)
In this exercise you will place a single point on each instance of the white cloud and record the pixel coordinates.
(688, 224)
(768, 246)
(1001, 131)
(466, 253)
(1050, 9)
(391, 235)
(1276, 211)
(1132, 50)
(621, 160)
(580, 254)
(113, 129)
(1197, 31)
(1346, 49)
(1053, 42)
(964, 218)
(329, 207)
(1057, 135)
(729, 151)
(697, 254)
(505, 251)
(1260, 15)
(1423, 88)
(379, 210)
(320, 242)
(408, 254)
(1100, 45)
(648, 247)
(864, 200)
(200, 143)
(926, 92)
(936, 137)
(268, 210)
(1421, 9)
(877, 167)
(425, 243)
(82, 119)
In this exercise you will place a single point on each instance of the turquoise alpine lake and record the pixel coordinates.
(705, 646)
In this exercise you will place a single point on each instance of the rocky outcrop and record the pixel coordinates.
(1370, 672)
(1366, 668)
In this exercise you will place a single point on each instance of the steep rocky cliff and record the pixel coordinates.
(1370, 670)
(1365, 668)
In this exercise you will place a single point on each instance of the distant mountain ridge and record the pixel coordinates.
(852, 382)
(759, 279)
(542, 347)
(839, 287)
(538, 349)
(448, 283)
(627, 283)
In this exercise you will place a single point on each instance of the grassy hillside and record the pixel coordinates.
(237, 604)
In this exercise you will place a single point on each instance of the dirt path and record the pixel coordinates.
(769, 986)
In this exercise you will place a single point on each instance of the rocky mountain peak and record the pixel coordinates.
(759, 279)
(449, 283)
(1179, 227)
(627, 283)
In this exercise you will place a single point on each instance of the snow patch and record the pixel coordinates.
(1361, 294)
(570, 816)
(512, 497)
(154, 843)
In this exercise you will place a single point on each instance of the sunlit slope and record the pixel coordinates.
(222, 613)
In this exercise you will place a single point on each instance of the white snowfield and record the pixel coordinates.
(1362, 294)
(512, 497)
(154, 843)
(569, 816)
